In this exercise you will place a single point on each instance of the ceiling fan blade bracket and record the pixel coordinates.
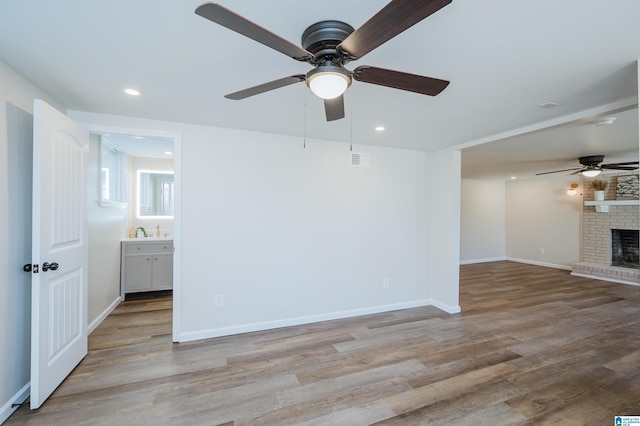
(344, 56)
(357, 73)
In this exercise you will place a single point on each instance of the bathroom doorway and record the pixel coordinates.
(126, 208)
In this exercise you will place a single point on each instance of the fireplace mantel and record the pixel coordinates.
(603, 206)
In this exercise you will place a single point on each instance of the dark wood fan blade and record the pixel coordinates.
(334, 108)
(265, 87)
(616, 167)
(628, 163)
(229, 19)
(394, 18)
(578, 170)
(400, 80)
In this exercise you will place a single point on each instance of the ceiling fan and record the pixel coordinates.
(329, 45)
(591, 166)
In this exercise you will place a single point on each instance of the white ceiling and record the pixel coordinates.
(137, 146)
(554, 148)
(503, 59)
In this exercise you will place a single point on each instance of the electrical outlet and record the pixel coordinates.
(385, 283)
(541, 251)
(219, 302)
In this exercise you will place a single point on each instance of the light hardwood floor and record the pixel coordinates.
(533, 345)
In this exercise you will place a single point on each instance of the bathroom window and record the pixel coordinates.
(113, 176)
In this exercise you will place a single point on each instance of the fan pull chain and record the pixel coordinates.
(351, 121)
(304, 133)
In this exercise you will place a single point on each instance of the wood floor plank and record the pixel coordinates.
(311, 407)
(532, 345)
(452, 388)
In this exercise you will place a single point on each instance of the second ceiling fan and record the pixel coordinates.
(329, 45)
(591, 167)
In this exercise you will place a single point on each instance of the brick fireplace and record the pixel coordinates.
(600, 234)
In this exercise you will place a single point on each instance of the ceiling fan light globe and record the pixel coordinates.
(328, 85)
(328, 81)
(591, 172)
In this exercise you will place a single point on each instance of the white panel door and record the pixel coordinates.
(60, 250)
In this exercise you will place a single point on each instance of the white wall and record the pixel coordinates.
(482, 221)
(443, 228)
(16, 149)
(292, 235)
(288, 232)
(540, 215)
(107, 227)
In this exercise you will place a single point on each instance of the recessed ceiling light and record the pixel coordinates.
(132, 92)
(604, 121)
(513, 178)
(168, 153)
(380, 129)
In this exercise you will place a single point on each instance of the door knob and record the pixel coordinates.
(46, 266)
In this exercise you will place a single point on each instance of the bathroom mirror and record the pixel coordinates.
(155, 194)
(113, 176)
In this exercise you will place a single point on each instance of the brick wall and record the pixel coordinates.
(596, 227)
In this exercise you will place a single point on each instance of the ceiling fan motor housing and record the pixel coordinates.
(323, 38)
(591, 160)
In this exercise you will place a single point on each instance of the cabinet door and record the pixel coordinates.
(162, 271)
(137, 273)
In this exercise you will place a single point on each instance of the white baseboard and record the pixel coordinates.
(95, 323)
(533, 262)
(7, 409)
(287, 322)
(447, 308)
(491, 259)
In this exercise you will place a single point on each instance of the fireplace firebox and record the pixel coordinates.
(625, 251)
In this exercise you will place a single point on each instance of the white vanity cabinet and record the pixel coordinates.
(146, 265)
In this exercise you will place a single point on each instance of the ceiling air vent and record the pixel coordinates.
(360, 159)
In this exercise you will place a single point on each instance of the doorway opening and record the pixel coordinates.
(127, 212)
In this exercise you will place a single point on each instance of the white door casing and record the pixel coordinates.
(59, 296)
